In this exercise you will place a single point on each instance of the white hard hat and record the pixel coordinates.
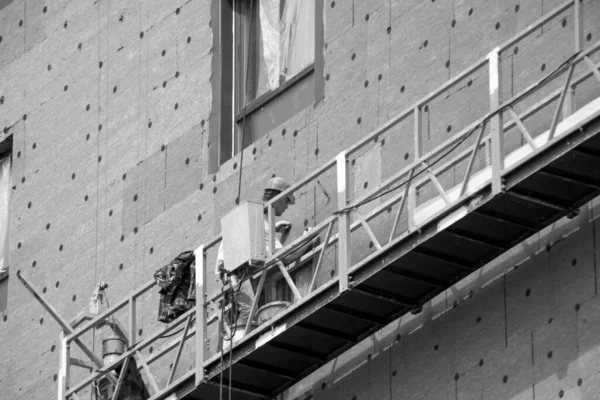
(280, 184)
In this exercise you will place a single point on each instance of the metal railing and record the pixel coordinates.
(400, 191)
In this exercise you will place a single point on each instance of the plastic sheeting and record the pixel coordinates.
(287, 43)
(298, 36)
(5, 166)
(269, 29)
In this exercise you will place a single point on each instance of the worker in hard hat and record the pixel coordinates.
(243, 291)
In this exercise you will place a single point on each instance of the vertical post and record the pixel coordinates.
(63, 369)
(417, 132)
(343, 221)
(271, 233)
(200, 313)
(578, 23)
(569, 103)
(497, 136)
(132, 324)
(412, 206)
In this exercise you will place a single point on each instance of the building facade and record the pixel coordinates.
(125, 120)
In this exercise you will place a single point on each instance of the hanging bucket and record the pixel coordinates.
(112, 348)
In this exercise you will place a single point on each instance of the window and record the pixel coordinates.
(274, 42)
(268, 68)
(5, 188)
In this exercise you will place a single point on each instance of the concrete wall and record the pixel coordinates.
(108, 102)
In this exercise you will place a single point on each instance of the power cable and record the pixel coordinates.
(221, 327)
(238, 199)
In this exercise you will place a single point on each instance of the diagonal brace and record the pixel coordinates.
(367, 229)
(401, 206)
(521, 127)
(591, 65)
(321, 254)
(64, 325)
(437, 183)
(179, 350)
(259, 289)
(289, 280)
(561, 101)
(466, 179)
(146, 370)
(121, 379)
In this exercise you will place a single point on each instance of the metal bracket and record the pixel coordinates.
(97, 297)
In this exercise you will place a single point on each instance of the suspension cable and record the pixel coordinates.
(246, 80)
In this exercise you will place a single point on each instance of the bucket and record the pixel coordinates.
(112, 348)
(270, 310)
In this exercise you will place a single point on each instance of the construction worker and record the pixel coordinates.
(243, 293)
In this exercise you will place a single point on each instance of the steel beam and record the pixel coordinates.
(504, 219)
(586, 152)
(240, 388)
(334, 333)
(386, 296)
(418, 277)
(259, 366)
(443, 258)
(476, 239)
(298, 350)
(570, 177)
(367, 317)
(537, 200)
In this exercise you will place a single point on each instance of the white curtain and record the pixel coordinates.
(268, 78)
(4, 211)
(287, 44)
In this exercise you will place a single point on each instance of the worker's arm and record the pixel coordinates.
(301, 250)
(283, 227)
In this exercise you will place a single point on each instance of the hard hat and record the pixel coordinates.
(280, 184)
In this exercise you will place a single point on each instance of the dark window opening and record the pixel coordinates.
(268, 67)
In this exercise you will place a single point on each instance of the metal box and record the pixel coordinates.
(243, 232)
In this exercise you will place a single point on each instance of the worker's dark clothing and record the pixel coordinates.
(176, 287)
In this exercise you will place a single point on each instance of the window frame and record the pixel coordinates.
(271, 95)
(225, 115)
(6, 147)
(4, 291)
